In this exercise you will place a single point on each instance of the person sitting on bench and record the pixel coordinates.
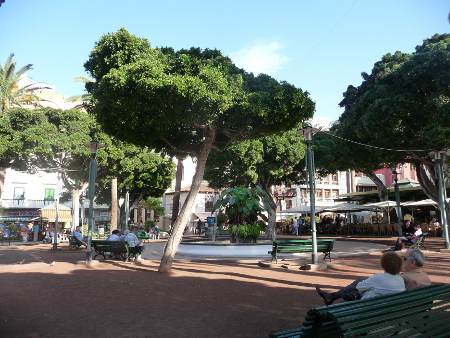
(134, 243)
(379, 284)
(79, 236)
(115, 236)
(413, 273)
(411, 240)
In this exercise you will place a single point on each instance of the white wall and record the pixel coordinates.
(341, 186)
(33, 185)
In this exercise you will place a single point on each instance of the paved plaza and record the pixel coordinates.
(219, 298)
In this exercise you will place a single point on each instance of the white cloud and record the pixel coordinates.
(260, 58)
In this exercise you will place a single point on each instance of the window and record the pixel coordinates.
(209, 203)
(319, 193)
(288, 204)
(335, 193)
(327, 193)
(363, 188)
(19, 193)
(49, 194)
(335, 179)
(304, 193)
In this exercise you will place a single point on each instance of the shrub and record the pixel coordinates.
(246, 231)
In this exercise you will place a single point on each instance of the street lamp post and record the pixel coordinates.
(397, 200)
(93, 146)
(127, 207)
(308, 134)
(438, 167)
(55, 237)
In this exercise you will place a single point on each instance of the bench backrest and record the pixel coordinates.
(101, 244)
(305, 243)
(380, 316)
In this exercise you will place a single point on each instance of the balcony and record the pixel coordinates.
(24, 203)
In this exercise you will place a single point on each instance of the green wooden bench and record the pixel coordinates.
(118, 248)
(422, 312)
(301, 246)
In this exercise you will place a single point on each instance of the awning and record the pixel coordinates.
(382, 204)
(419, 203)
(300, 209)
(48, 213)
(347, 207)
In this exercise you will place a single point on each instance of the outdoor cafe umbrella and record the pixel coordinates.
(383, 205)
(348, 207)
(421, 203)
(300, 209)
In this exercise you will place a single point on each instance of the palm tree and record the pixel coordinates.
(11, 93)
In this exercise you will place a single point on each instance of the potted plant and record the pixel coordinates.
(243, 206)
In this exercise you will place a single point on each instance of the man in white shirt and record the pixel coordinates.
(295, 225)
(115, 236)
(78, 236)
(410, 239)
(379, 284)
(134, 244)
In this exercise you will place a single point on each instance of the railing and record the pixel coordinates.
(24, 203)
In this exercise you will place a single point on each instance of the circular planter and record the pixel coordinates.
(225, 249)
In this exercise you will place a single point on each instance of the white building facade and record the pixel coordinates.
(328, 190)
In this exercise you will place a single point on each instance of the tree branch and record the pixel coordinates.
(428, 184)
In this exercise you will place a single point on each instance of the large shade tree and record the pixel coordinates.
(266, 161)
(57, 140)
(403, 106)
(145, 97)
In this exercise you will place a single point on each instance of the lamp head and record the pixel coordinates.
(94, 145)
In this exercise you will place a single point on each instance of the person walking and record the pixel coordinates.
(296, 225)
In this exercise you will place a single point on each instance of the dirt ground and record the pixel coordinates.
(198, 299)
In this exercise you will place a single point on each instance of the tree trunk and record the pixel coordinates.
(183, 218)
(76, 205)
(176, 195)
(2, 179)
(383, 193)
(272, 224)
(428, 181)
(113, 204)
(82, 211)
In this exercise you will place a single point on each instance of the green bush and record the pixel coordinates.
(246, 231)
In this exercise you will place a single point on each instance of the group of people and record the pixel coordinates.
(297, 226)
(134, 243)
(400, 274)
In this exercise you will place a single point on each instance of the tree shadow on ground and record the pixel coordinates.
(125, 303)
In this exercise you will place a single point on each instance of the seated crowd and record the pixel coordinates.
(134, 243)
(391, 281)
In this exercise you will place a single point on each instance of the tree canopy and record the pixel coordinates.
(403, 106)
(265, 161)
(404, 103)
(141, 170)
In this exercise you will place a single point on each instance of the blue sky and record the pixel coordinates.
(320, 46)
